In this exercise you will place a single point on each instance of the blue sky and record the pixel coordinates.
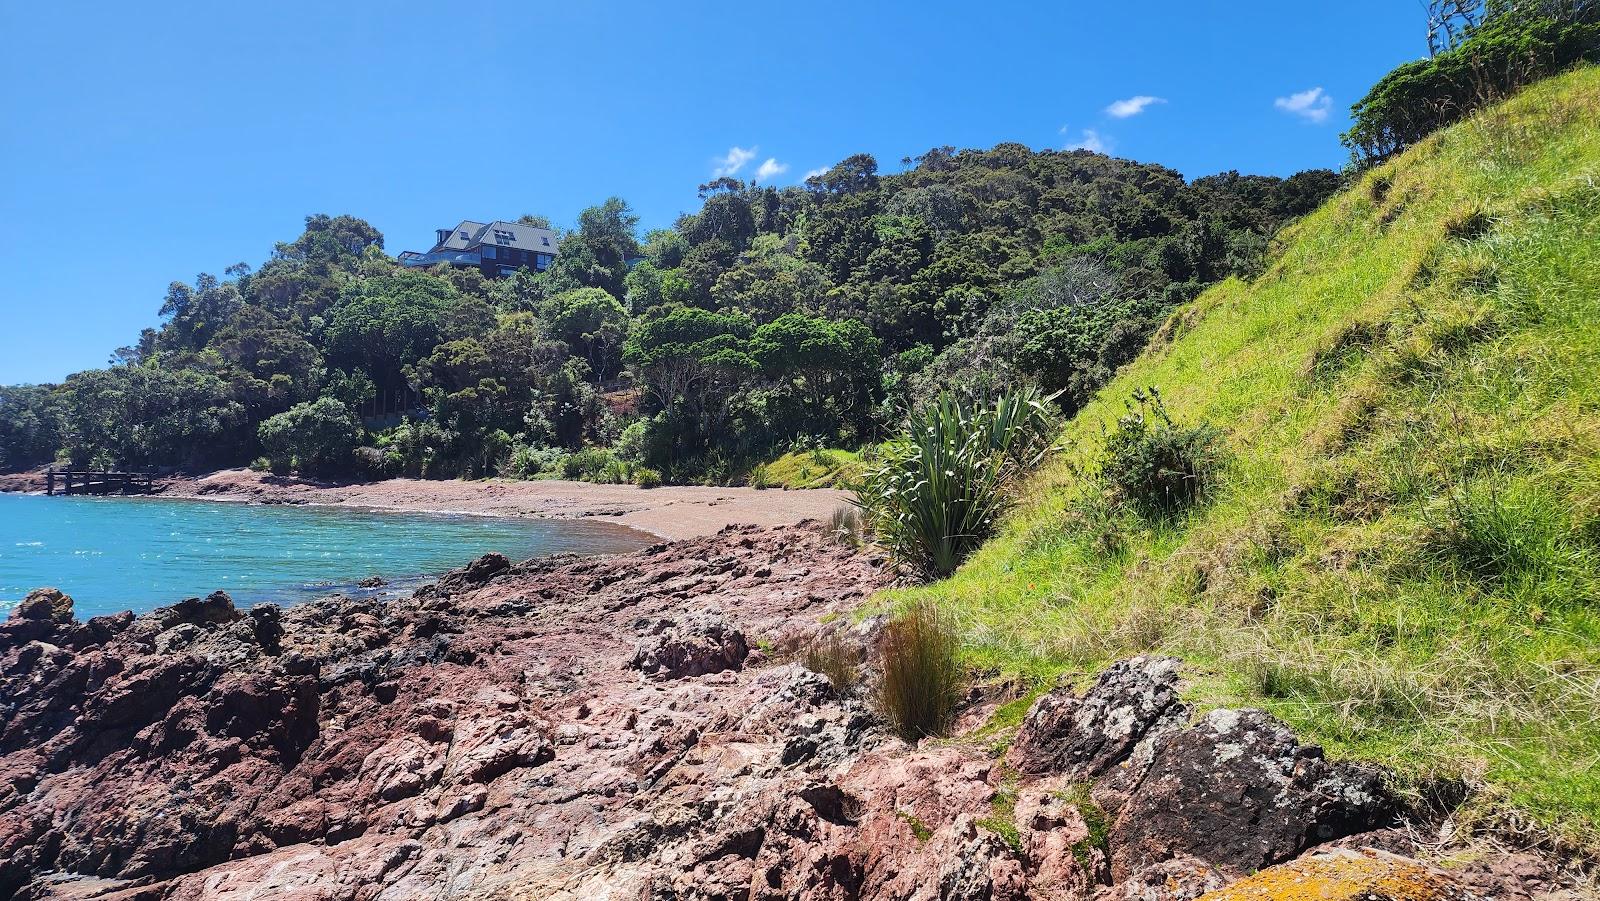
(143, 143)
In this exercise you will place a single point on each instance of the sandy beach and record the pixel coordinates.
(669, 511)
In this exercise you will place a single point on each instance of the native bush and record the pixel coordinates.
(1517, 44)
(939, 489)
(1155, 465)
(318, 437)
(921, 679)
(530, 461)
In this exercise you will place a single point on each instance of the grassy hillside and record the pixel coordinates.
(1404, 557)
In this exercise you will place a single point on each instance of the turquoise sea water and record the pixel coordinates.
(136, 554)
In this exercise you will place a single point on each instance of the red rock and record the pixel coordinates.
(486, 739)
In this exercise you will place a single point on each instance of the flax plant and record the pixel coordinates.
(940, 489)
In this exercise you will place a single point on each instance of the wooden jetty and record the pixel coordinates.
(96, 481)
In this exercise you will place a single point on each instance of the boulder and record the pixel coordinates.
(1082, 738)
(46, 605)
(217, 609)
(701, 643)
(1239, 791)
(474, 574)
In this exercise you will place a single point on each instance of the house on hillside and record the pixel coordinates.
(494, 248)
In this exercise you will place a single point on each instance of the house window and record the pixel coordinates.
(504, 237)
(545, 240)
(488, 252)
(463, 235)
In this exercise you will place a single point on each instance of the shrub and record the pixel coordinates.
(939, 490)
(530, 461)
(647, 478)
(589, 464)
(1158, 467)
(759, 479)
(1518, 44)
(319, 436)
(921, 678)
(631, 443)
(834, 658)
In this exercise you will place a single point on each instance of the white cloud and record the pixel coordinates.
(1313, 105)
(770, 168)
(816, 172)
(1091, 140)
(733, 162)
(1133, 106)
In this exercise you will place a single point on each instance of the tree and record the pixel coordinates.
(826, 372)
(30, 426)
(596, 255)
(140, 416)
(382, 325)
(851, 175)
(691, 361)
(316, 437)
(592, 323)
(1491, 51)
(195, 313)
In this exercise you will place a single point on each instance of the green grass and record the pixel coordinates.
(820, 468)
(1402, 557)
(1002, 819)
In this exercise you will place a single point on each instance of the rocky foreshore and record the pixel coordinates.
(637, 727)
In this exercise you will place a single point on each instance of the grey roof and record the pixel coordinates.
(470, 234)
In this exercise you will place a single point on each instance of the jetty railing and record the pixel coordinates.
(96, 481)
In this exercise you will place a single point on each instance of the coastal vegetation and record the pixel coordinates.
(770, 322)
(1363, 492)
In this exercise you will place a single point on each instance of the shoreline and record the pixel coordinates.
(670, 512)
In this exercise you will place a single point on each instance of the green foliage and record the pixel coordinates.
(142, 416)
(531, 461)
(1401, 563)
(1157, 466)
(383, 324)
(921, 680)
(591, 464)
(592, 323)
(1515, 44)
(30, 426)
(766, 316)
(940, 489)
(317, 437)
(645, 477)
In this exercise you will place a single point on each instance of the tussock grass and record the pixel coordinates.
(921, 675)
(836, 659)
(1402, 556)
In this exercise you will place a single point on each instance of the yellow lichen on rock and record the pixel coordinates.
(1344, 875)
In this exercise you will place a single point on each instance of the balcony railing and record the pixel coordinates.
(412, 258)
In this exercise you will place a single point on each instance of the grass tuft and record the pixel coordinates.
(921, 680)
(835, 658)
